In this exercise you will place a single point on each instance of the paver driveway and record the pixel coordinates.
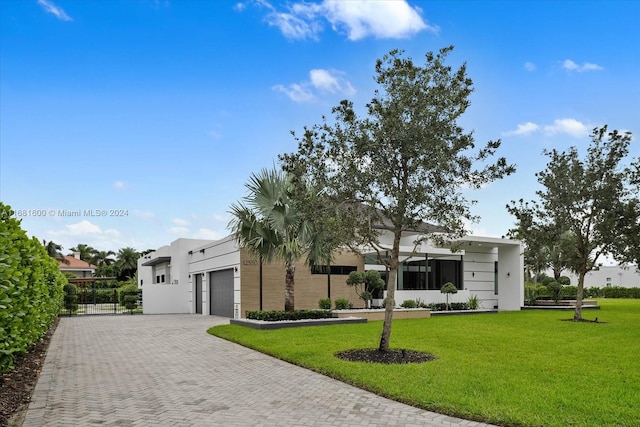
(165, 370)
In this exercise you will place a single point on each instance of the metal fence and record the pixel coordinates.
(104, 301)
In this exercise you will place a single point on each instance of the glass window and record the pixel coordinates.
(341, 270)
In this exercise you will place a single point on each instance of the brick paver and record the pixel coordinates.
(165, 370)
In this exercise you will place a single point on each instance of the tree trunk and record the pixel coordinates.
(577, 316)
(390, 302)
(288, 290)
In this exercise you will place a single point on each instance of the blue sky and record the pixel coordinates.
(160, 110)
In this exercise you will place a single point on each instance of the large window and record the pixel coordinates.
(420, 275)
(334, 269)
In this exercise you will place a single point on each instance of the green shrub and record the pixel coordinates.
(131, 302)
(128, 289)
(542, 291)
(324, 304)
(279, 315)
(531, 293)
(31, 294)
(441, 306)
(620, 292)
(555, 289)
(409, 303)
(593, 292)
(474, 302)
(342, 304)
(70, 297)
(564, 281)
(571, 292)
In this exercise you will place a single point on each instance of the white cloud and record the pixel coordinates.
(82, 228)
(570, 65)
(382, 19)
(57, 11)
(331, 81)
(180, 222)
(375, 18)
(207, 233)
(524, 129)
(178, 230)
(320, 80)
(529, 66)
(571, 127)
(296, 92)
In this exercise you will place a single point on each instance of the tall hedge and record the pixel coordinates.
(30, 289)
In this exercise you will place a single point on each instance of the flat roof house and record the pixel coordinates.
(219, 278)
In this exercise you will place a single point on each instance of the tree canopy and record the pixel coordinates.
(594, 200)
(404, 163)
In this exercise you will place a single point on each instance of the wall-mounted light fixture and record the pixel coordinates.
(473, 274)
(190, 252)
(235, 269)
(201, 251)
(508, 274)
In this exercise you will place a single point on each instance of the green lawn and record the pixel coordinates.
(525, 368)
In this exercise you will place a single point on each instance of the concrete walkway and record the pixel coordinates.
(165, 370)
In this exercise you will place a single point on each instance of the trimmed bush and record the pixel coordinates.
(564, 281)
(342, 304)
(571, 292)
(324, 304)
(70, 297)
(555, 289)
(409, 304)
(31, 293)
(620, 292)
(279, 315)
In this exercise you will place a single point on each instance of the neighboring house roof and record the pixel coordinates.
(74, 263)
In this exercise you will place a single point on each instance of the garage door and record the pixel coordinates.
(221, 293)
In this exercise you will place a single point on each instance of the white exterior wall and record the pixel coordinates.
(613, 275)
(220, 255)
(479, 255)
(174, 295)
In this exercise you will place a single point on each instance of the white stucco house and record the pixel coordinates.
(218, 278)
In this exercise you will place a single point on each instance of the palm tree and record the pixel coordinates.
(86, 251)
(102, 258)
(270, 225)
(54, 250)
(127, 262)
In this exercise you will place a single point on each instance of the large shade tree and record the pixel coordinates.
(405, 162)
(269, 224)
(592, 199)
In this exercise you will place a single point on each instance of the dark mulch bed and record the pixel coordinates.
(17, 385)
(388, 357)
(584, 320)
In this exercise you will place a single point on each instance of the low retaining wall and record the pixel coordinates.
(378, 314)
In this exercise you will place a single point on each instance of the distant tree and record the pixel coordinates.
(102, 258)
(54, 250)
(405, 163)
(589, 198)
(86, 252)
(127, 263)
